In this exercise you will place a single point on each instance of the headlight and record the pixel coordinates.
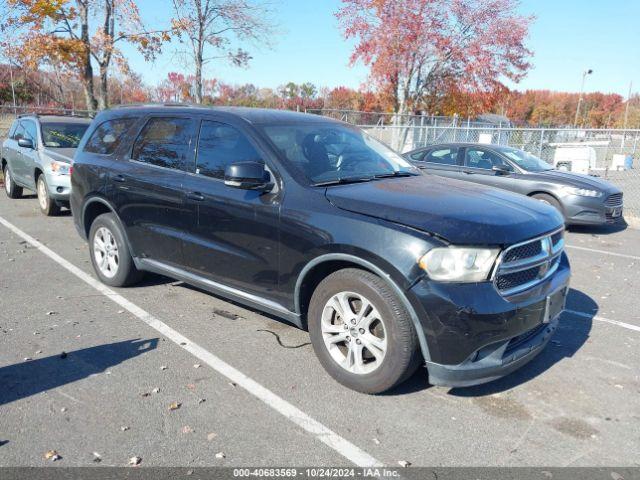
(583, 192)
(458, 264)
(60, 168)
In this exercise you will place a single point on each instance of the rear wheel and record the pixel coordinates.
(48, 206)
(12, 190)
(361, 332)
(110, 253)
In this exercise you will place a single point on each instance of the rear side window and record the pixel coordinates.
(218, 146)
(107, 137)
(443, 156)
(164, 142)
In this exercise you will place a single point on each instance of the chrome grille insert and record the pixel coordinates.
(525, 265)
(614, 200)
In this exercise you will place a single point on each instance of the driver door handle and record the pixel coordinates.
(197, 196)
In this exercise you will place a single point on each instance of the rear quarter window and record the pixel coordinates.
(108, 136)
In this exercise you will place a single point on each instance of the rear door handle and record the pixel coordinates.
(119, 178)
(197, 196)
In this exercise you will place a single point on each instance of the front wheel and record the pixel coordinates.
(361, 331)
(110, 253)
(11, 189)
(549, 200)
(48, 206)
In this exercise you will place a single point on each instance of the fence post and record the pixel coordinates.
(541, 142)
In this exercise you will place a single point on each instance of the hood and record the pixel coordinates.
(573, 179)
(61, 154)
(461, 212)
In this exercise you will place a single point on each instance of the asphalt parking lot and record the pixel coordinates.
(250, 391)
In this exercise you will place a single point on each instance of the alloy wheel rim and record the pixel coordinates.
(354, 333)
(42, 194)
(105, 252)
(7, 181)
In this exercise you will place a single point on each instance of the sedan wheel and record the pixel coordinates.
(105, 252)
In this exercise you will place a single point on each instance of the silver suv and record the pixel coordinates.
(37, 156)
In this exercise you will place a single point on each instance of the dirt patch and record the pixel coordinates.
(574, 427)
(504, 407)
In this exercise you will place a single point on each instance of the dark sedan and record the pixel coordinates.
(582, 199)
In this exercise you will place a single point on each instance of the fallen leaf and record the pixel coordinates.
(233, 384)
(191, 386)
(63, 355)
(201, 400)
(97, 458)
(163, 367)
(52, 313)
(63, 409)
(187, 429)
(52, 455)
(376, 441)
(404, 463)
(211, 436)
(196, 365)
(175, 406)
(124, 428)
(220, 455)
(145, 394)
(135, 461)
(155, 390)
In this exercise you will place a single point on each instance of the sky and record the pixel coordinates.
(567, 37)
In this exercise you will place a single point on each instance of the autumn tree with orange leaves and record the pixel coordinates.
(60, 34)
(418, 50)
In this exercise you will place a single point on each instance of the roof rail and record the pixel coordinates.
(158, 104)
(54, 114)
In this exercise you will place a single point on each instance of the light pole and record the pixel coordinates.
(584, 76)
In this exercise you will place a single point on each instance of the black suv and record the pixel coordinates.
(313, 221)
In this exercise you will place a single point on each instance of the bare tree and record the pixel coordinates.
(220, 26)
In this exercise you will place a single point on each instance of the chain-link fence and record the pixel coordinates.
(610, 154)
(361, 118)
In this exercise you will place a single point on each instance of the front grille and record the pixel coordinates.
(614, 200)
(524, 251)
(526, 264)
(511, 280)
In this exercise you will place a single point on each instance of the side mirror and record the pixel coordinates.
(25, 143)
(502, 169)
(247, 176)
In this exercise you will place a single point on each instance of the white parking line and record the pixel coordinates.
(604, 252)
(605, 320)
(289, 411)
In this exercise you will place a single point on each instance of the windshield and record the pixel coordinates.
(63, 135)
(526, 161)
(330, 153)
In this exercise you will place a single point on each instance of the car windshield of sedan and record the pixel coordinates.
(63, 135)
(330, 154)
(525, 160)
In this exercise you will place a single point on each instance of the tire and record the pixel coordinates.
(391, 333)
(549, 200)
(11, 189)
(48, 205)
(107, 241)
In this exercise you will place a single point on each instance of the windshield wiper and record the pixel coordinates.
(343, 180)
(395, 174)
